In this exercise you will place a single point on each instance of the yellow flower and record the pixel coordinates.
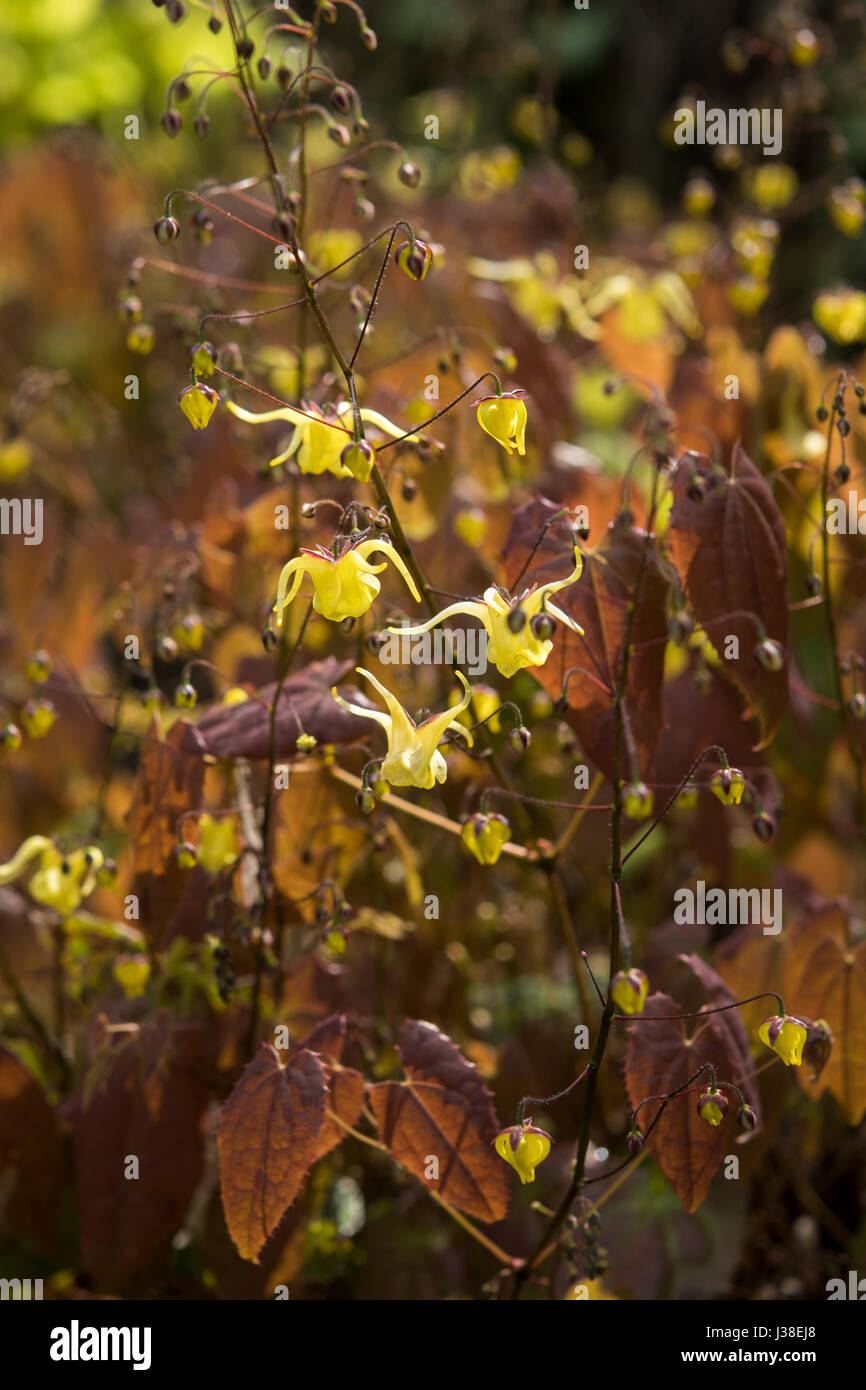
(132, 974)
(484, 836)
(628, 990)
(319, 440)
(504, 419)
(413, 759)
(523, 1147)
(198, 404)
(217, 843)
(345, 585)
(61, 880)
(713, 1106)
(841, 314)
(786, 1036)
(518, 630)
(728, 784)
(637, 800)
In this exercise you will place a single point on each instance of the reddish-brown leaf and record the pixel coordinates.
(444, 1111)
(268, 1138)
(825, 978)
(661, 1056)
(345, 1085)
(731, 553)
(169, 782)
(147, 1098)
(599, 602)
(30, 1149)
(305, 705)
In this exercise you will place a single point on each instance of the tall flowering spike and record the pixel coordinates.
(628, 990)
(318, 442)
(413, 759)
(523, 1147)
(728, 784)
(484, 836)
(198, 404)
(786, 1036)
(61, 880)
(504, 419)
(512, 625)
(713, 1106)
(345, 585)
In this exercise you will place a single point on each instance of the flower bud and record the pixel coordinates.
(516, 619)
(106, 875)
(198, 404)
(341, 100)
(335, 941)
(746, 1118)
(203, 358)
(728, 784)
(764, 826)
(185, 855)
(141, 338)
(628, 990)
(10, 737)
(264, 66)
(856, 706)
(770, 655)
(637, 801)
(185, 696)
(358, 457)
(214, 24)
(484, 836)
(246, 47)
(166, 229)
(415, 261)
(713, 1106)
(37, 716)
(523, 1147)
(201, 125)
(786, 1036)
(542, 626)
(818, 1046)
(504, 419)
(130, 309)
(368, 39)
(171, 121)
(520, 738)
(132, 974)
(38, 667)
(409, 174)
(635, 1141)
(366, 801)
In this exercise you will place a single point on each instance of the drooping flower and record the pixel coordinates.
(523, 1147)
(713, 1106)
(786, 1036)
(628, 990)
(484, 836)
(637, 800)
(62, 880)
(504, 419)
(217, 843)
(198, 404)
(344, 585)
(413, 759)
(728, 784)
(318, 440)
(518, 629)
